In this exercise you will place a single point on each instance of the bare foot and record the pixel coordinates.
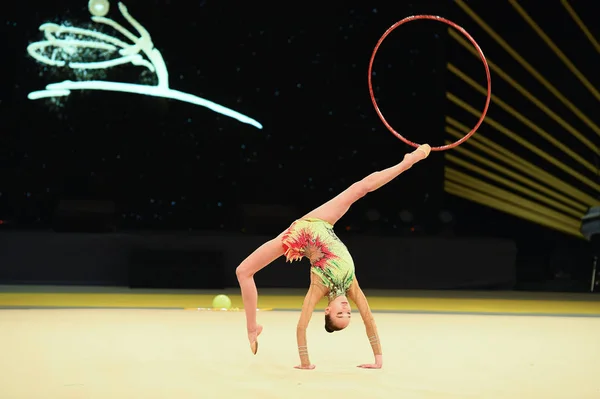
(418, 154)
(425, 149)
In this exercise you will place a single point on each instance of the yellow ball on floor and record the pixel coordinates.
(221, 302)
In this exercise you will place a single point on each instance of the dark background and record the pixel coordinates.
(301, 70)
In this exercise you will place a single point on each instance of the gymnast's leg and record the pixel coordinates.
(257, 260)
(334, 209)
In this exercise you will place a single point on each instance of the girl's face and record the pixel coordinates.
(339, 312)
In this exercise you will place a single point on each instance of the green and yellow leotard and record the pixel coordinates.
(329, 257)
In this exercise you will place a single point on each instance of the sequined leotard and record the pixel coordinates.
(329, 257)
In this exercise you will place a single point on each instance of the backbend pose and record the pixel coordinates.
(332, 269)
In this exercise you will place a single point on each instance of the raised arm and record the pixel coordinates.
(313, 296)
(356, 294)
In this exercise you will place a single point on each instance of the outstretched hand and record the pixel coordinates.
(253, 337)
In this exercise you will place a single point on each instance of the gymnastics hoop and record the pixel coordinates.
(485, 64)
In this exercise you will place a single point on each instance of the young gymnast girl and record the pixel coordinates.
(332, 269)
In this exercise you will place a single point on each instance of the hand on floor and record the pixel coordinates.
(370, 366)
(305, 367)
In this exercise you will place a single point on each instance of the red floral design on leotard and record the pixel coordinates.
(295, 246)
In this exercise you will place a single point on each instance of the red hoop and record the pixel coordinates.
(485, 64)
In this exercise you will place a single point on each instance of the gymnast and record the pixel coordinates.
(332, 268)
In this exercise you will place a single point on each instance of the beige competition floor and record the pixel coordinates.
(173, 353)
